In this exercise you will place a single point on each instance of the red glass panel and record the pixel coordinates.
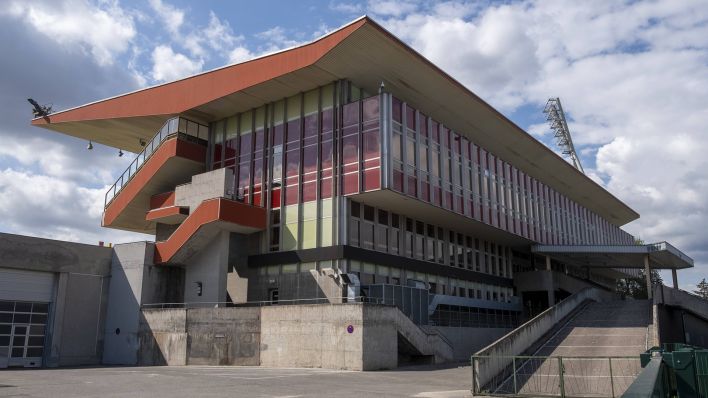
(327, 120)
(310, 125)
(246, 145)
(371, 145)
(398, 180)
(372, 179)
(231, 149)
(309, 161)
(445, 137)
(350, 114)
(437, 196)
(291, 196)
(447, 200)
(350, 149)
(436, 131)
(412, 186)
(216, 165)
(275, 198)
(258, 171)
(425, 191)
(217, 153)
(396, 105)
(351, 183)
(293, 131)
(309, 191)
(260, 136)
(326, 188)
(370, 108)
(326, 154)
(257, 199)
(410, 118)
(292, 159)
(278, 133)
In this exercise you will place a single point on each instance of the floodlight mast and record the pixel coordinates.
(556, 119)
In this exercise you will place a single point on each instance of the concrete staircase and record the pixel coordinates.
(602, 329)
(421, 342)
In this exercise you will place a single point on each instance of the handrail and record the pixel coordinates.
(174, 126)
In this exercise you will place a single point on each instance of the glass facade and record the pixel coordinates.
(444, 168)
(302, 156)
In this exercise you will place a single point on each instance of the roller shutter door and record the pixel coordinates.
(21, 285)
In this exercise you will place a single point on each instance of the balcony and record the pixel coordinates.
(170, 158)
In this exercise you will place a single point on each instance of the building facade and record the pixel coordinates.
(346, 169)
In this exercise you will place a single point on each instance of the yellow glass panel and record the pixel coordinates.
(306, 267)
(260, 117)
(289, 237)
(294, 107)
(291, 214)
(278, 112)
(309, 211)
(369, 268)
(326, 207)
(311, 101)
(395, 272)
(309, 234)
(327, 96)
(354, 265)
(382, 270)
(246, 122)
(327, 264)
(273, 269)
(289, 268)
(326, 232)
(231, 127)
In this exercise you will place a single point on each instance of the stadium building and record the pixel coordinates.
(348, 170)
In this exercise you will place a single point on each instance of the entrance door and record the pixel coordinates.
(18, 345)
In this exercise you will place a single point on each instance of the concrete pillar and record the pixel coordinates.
(674, 277)
(548, 263)
(647, 275)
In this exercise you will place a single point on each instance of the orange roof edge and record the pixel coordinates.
(169, 98)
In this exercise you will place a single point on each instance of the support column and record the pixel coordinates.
(647, 275)
(674, 277)
(548, 263)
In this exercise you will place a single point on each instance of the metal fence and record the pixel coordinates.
(177, 126)
(541, 376)
(320, 300)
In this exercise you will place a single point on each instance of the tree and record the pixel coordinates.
(637, 287)
(702, 290)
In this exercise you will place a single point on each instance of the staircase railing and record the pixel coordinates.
(185, 128)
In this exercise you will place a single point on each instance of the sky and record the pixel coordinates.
(632, 77)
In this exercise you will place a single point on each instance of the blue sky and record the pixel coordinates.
(632, 76)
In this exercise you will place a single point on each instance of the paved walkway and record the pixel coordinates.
(217, 381)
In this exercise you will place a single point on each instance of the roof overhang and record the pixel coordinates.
(366, 54)
(661, 255)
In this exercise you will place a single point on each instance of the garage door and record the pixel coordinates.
(25, 298)
(20, 285)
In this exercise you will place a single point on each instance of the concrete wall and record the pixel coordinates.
(224, 336)
(682, 317)
(208, 267)
(213, 184)
(78, 309)
(467, 341)
(163, 337)
(313, 336)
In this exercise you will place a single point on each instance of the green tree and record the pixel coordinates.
(702, 289)
(637, 287)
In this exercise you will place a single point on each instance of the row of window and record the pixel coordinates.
(440, 166)
(378, 229)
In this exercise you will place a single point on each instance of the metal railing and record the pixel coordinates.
(264, 303)
(558, 376)
(185, 128)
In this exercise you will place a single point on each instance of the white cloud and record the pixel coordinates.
(69, 211)
(240, 54)
(171, 16)
(391, 7)
(169, 65)
(103, 29)
(346, 8)
(632, 78)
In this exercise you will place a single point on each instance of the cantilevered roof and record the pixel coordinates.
(361, 51)
(661, 255)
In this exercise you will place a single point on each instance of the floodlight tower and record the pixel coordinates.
(556, 119)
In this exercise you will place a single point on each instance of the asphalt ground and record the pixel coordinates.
(234, 381)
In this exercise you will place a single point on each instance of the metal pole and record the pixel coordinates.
(474, 378)
(612, 382)
(561, 383)
(514, 373)
(674, 277)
